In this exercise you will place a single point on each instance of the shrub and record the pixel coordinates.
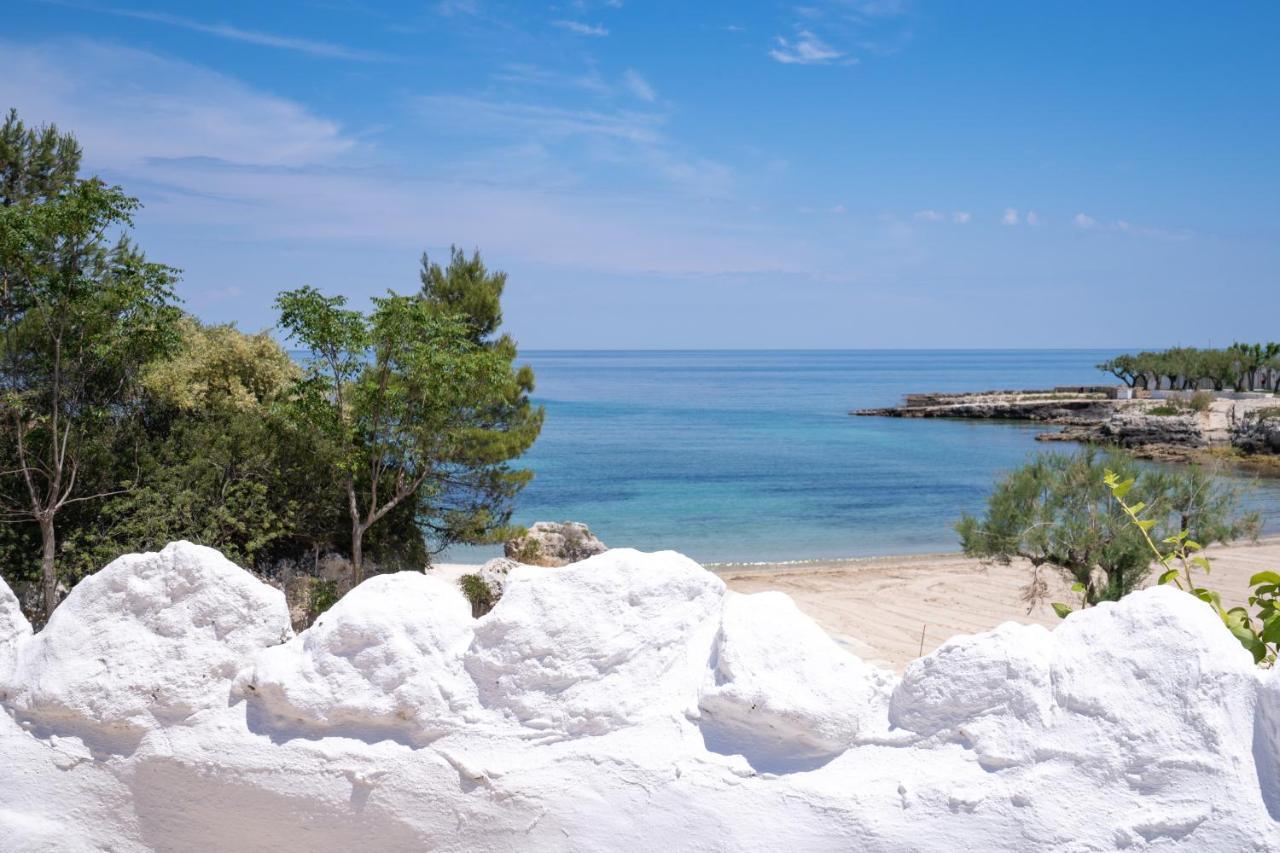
(1200, 401)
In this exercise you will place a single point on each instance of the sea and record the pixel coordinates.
(751, 456)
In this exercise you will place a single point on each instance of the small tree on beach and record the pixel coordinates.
(1058, 511)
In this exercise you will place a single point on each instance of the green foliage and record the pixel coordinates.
(81, 316)
(1240, 366)
(478, 593)
(1164, 411)
(418, 406)
(1259, 633)
(1058, 511)
(324, 594)
(133, 424)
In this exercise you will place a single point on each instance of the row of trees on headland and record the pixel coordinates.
(1239, 367)
(126, 423)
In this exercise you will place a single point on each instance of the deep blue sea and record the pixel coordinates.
(752, 456)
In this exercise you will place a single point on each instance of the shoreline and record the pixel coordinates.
(890, 610)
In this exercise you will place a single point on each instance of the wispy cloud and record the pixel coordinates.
(1010, 216)
(488, 116)
(532, 75)
(928, 216)
(310, 47)
(215, 160)
(961, 217)
(804, 49)
(579, 28)
(1084, 221)
(833, 32)
(638, 86)
(1033, 218)
(115, 97)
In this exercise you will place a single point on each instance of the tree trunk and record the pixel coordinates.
(357, 553)
(48, 567)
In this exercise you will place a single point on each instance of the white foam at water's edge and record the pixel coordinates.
(628, 702)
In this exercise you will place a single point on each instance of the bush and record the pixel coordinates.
(1201, 401)
(1059, 511)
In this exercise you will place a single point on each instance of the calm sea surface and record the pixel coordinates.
(751, 455)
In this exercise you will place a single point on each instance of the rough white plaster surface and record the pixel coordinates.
(627, 702)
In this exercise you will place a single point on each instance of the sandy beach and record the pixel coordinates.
(890, 609)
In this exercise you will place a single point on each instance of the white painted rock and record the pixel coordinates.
(622, 703)
(148, 641)
(600, 644)
(782, 691)
(14, 628)
(387, 656)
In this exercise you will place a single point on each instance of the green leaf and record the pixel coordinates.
(1061, 609)
(1077, 587)
(1264, 577)
(1145, 523)
(1119, 489)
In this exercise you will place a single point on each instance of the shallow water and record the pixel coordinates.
(752, 456)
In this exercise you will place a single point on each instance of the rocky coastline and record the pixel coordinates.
(1239, 429)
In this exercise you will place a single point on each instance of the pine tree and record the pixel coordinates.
(477, 508)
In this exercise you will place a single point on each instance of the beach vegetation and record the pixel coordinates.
(1058, 512)
(126, 424)
(1183, 562)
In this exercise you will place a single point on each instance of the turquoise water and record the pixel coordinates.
(751, 456)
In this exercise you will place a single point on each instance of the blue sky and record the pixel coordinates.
(839, 173)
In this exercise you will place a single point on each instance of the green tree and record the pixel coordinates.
(80, 316)
(220, 462)
(398, 392)
(474, 506)
(1058, 511)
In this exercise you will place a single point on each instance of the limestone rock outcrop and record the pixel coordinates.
(1257, 433)
(554, 543)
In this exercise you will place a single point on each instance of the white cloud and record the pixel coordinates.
(532, 75)
(231, 33)
(839, 209)
(478, 114)
(217, 162)
(1083, 220)
(579, 28)
(961, 217)
(1010, 216)
(806, 49)
(129, 107)
(928, 216)
(638, 86)
(1033, 218)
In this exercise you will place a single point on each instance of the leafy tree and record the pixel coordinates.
(473, 507)
(1123, 367)
(80, 317)
(219, 462)
(399, 393)
(1058, 511)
